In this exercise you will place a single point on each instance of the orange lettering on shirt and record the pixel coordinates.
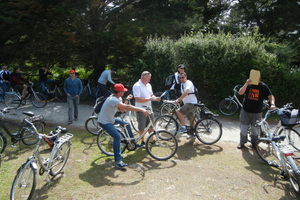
(253, 94)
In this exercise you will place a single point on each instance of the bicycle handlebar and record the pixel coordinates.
(6, 109)
(235, 89)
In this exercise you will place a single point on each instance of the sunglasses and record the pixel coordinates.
(182, 77)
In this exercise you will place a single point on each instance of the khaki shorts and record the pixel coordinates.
(188, 110)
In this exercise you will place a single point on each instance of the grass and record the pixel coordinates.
(197, 171)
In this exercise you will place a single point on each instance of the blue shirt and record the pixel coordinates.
(105, 76)
(73, 87)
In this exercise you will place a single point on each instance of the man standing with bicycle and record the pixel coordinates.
(188, 98)
(102, 81)
(107, 120)
(143, 94)
(252, 109)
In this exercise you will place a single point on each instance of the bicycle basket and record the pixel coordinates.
(288, 117)
(36, 118)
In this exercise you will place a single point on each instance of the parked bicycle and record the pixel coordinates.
(26, 132)
(277, 154)
(206, 128)
(25, 181)
(55, 90)
(160, 145)
(230, 105)
(13, 98)
(89, 91)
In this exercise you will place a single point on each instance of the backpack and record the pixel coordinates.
(169, 81)
(196, 93)
(5, 75)
(99, 103)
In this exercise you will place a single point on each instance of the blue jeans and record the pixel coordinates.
(42, 84)
(73, 103)
(4, 86)
(111, 130)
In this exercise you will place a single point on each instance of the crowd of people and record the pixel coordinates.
(142, 92)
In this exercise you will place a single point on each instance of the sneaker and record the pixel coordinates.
(121, 165)
(142, 145)
(70, 123)
(182, 130)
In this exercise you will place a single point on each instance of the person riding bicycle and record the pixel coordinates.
(18, 82)
(252, 108)
(43, 79)
(103, 79)
(4, 80)
(107, 120)
(176, 86)
(188, 98)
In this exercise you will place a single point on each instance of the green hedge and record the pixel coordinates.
(217, 62)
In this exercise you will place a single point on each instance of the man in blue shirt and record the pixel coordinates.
(73, 88)
(102, 81)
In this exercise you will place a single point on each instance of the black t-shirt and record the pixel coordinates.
(254, 96)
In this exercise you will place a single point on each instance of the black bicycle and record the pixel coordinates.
(26, 133)
(55, 90)
(13, 98)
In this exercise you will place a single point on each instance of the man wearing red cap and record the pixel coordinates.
(73, 88)
(106, 119)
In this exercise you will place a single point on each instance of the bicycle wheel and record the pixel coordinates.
(105, 142)
(60, 94)
(161, 145)
(228, 107)
(12, 100)
(167, 123)
(28, 134)
(133, 120)
(24, 183)
(266, 152)
(293, 176)
(208, 131)
(59, 157)
(292, 137)
(38, 100)
(3, 142)
(167, 108)
(92, 126)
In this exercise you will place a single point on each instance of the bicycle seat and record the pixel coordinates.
(201, 105)
(28, 113)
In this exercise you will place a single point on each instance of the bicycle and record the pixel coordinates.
(26, 133)
(25, 181)
(13, 98)
(160, 145)
(270, 150)
(88, 90)
(164, 107)
(55, 90)
(207, 129)
(229, 106)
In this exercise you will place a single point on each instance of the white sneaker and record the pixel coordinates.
(182, 130)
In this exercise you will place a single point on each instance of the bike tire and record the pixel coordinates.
(24, 183)
(208, 130)
(167, 123)
(92, 126)
(12, 100)
(292, 136)
(228, 107)
(167, 108)
(28, 134)
(293, 175)
(60, 157)
(3, 142)
(38, 100)
(161, 145)
(266, 152)
(105, 143)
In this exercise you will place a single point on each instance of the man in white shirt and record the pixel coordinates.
(188, 98)
(103, 79)
(143, 94)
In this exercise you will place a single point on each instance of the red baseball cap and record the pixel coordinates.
(72, 71)
(120, 88)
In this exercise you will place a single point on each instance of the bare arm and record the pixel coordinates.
(186, 92)
(122, 107)
(242, 90)
(272, 101)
